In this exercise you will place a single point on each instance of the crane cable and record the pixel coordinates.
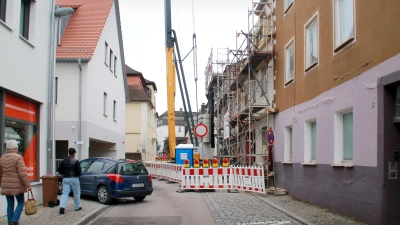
(195, 58)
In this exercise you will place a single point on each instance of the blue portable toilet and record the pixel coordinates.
(182, 152)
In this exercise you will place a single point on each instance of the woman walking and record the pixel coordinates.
(13, 181)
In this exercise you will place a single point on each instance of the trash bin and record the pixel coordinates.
(49, 188)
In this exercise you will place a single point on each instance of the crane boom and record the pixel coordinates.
(171, 84)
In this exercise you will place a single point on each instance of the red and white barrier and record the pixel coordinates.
(249, 179)
(242, 178)
(207, 178)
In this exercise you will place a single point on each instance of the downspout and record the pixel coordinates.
(80, 111)
(50, 104)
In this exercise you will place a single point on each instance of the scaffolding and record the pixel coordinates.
(241, 83)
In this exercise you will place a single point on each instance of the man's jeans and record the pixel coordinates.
(68, 184)
(11, 214)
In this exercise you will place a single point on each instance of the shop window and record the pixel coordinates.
(20, 125)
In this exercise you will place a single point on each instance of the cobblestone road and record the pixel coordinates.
(250, 208)
(243, 208)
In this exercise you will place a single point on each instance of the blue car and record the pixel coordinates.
(108, 178)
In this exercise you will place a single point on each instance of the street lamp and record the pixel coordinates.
(57, 13)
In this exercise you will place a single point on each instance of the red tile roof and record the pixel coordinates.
(84, 28)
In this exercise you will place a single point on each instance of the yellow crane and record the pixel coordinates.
(173, 59)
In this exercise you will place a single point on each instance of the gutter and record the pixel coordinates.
(80, 111)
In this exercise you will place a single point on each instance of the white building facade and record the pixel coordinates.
(24, 81)
(91, 86)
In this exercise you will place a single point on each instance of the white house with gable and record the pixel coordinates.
(90, 81)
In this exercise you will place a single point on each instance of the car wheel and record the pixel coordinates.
(59, 188)
(139, 198)
(103, 195)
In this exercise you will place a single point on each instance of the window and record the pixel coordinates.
(84, 164)
(310, 141)
(348, 136)
(56, 91)
(398, 101)
(114, 110)
(288, 144)
(24, 20)
(111, 59)
(344, 21)
(115, 65)
(106, 53)
(289, 62)
(95, 166)
(105, 104)
(288, 5)
(3, 5)
(311, 43)
(343, 140)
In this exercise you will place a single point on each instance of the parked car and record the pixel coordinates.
(108, 178)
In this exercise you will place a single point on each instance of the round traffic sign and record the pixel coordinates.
(201, 130)
(270, 136)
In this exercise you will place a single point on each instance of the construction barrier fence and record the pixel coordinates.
(245, 178)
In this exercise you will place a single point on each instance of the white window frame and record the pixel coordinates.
(289, 78)
(288, 4)
(339, 42)
(115, 110)
(105, 104)
(115, 65)
(339, 138)
(308, 142)
(308, 45)
(8, 15)
(111, 59)
(288, 144)
(106, 53)
(30, 35)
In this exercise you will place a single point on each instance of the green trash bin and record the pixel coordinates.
(49, 188)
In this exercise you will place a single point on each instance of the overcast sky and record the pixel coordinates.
(215, 24)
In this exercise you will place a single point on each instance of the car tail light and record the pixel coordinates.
(150, 178)
(116, 178)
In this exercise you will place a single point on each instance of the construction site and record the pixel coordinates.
(239, 86)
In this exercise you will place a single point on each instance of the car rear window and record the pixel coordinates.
(133, 169)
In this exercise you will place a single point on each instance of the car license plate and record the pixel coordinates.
(138, 185)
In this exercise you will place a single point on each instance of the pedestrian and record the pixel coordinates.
(70, 168)
(13, 180)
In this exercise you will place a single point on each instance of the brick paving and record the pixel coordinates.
(46, 215)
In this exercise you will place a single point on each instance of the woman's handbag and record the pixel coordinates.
(30, 205)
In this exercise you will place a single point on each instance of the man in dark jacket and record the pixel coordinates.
(70, 168)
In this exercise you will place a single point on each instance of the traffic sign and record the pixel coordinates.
(201, 130)
(270, 136)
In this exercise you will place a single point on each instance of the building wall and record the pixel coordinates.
(345, 190)
(25, 73)
(375, 41)
(132, 134)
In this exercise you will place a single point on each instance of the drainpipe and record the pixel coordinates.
(80, 111)
(50, 104)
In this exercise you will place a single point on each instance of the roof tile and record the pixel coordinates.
(84, 28)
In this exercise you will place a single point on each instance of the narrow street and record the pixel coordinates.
(166, 206)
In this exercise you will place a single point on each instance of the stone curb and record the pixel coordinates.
(299, 218)
(86, 219)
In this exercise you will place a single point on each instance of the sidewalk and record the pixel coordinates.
(46, 215)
